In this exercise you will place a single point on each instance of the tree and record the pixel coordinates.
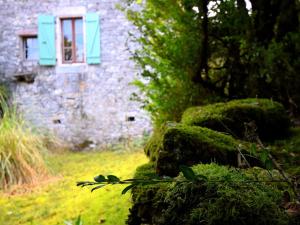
(195, 52)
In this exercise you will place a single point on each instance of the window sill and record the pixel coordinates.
(71, 68)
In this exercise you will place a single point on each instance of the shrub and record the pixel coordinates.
(20, 150)
(270, 117)
(227, 197)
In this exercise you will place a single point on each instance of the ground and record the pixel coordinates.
(59, 199)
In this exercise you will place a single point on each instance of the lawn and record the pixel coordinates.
(59, 199)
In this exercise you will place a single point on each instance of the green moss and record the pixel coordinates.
(191, 145)
(145, 196)
(154, 143)
(287, 152)
(226, 198)
(270, 117)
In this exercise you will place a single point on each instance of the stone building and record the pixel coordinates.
(68, 66)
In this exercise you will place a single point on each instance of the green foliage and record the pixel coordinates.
(287, 152)
(268, 118)
(169, 49)
(198, 52)
(226, 197)
(20, 150)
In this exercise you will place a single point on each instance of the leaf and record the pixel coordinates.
(98, 187)
(113, 179)
(129, 187)
(100, 179)
(82, 183)
(78, 221)
(187, 172)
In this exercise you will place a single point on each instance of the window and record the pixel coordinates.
(72, 40)
(30, 48)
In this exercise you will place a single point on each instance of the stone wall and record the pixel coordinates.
(79, 103)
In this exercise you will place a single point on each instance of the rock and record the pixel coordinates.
(242, 118)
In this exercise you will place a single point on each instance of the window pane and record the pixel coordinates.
(31, 48)
(68, 54)
(67, 32)
(78, 26)
(79, 47)
(79, 40)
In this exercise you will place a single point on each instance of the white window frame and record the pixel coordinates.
(70, 12)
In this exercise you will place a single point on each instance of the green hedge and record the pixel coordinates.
(226, 198)
(270, 117)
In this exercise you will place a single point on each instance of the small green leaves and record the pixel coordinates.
(128, 188)
(113, 179)
(188, 173)
(100, 179)
(98, 187)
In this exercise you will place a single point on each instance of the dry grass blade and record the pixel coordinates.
(20, 150)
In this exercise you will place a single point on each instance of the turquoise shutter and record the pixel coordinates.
(92, 38)
(46, 39)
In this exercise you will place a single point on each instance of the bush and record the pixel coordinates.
(189, 145)
(227, 197)
(269, 117)
(20, 150)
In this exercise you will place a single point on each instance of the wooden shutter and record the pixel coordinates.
(92, 38)
(46, 39)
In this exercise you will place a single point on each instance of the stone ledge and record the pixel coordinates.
(24, 77)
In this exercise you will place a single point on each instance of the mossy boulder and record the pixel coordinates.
(228, 197)
(191, 145)
(154, 143)
(267, 117)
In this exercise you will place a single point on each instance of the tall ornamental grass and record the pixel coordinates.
(21, 161)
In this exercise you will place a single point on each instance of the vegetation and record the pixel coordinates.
(192, 53)
(58, 200)
(268, 118)
(287, 152)
(227, 196)
(197, 52)
(219, 197)
(189, 145)
(21, 150)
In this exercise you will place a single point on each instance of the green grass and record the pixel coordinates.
(61, 200)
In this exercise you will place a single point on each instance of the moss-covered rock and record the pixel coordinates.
(145, 196)
(269, 117)
(191, 145)
(287, 153)
(228, 197)
(154, 143)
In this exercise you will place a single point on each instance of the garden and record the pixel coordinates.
(220, 81)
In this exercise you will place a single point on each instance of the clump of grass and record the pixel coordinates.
(21, 161)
